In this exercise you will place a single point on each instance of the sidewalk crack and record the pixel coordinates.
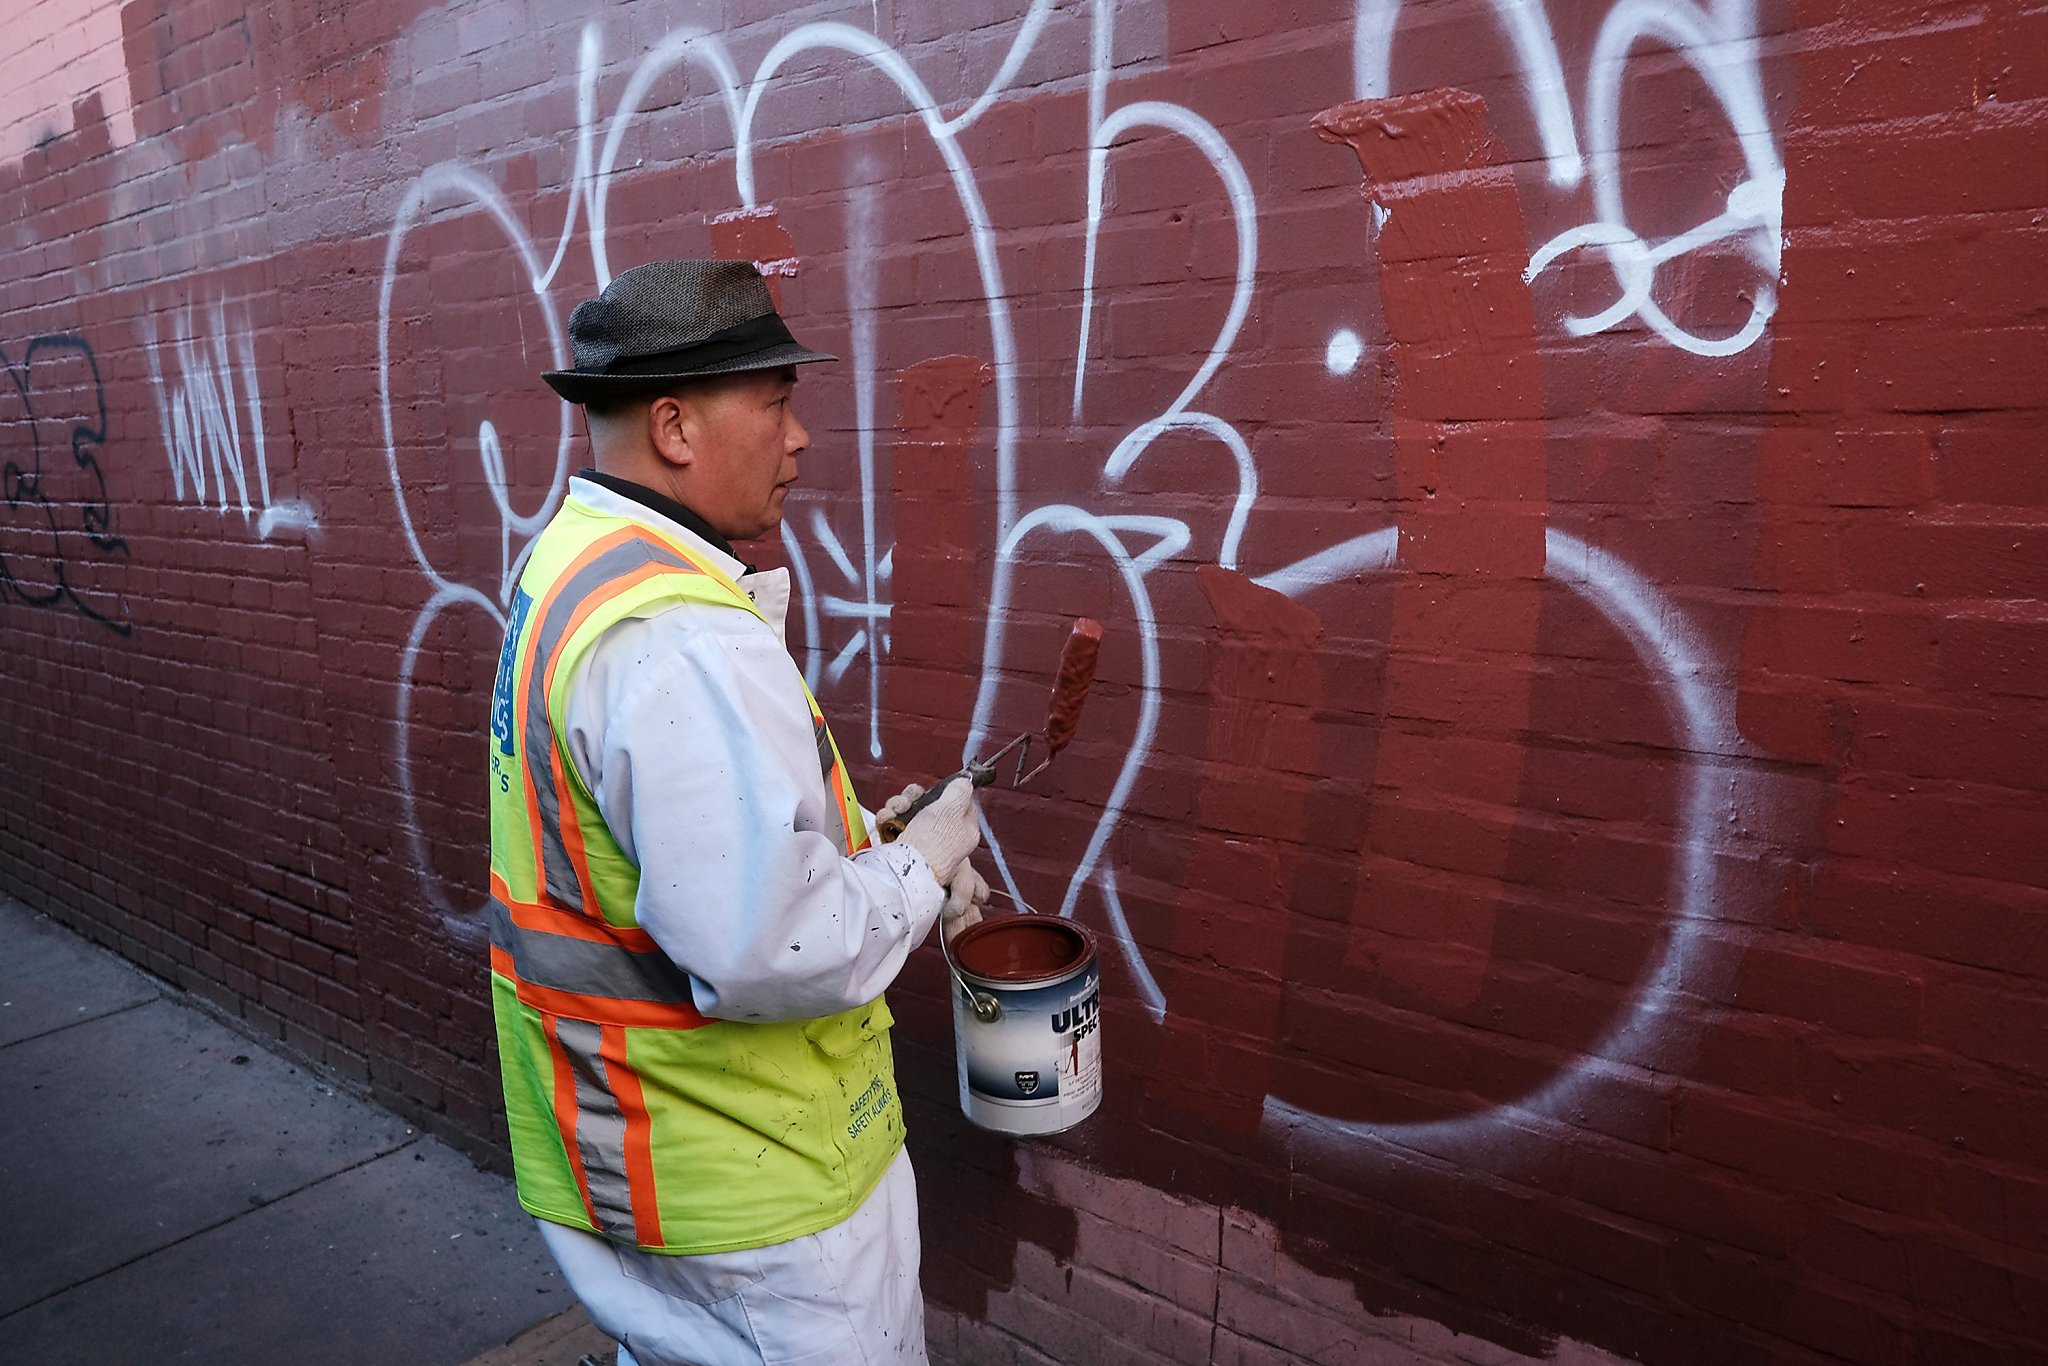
(218, 1223)
(83, 1020)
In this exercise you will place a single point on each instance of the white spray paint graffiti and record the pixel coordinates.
(589, 191)
(1719, 45)
(1169, 536)
(1700, 698)
(205, 388)
(1717, 40)
(459, 185)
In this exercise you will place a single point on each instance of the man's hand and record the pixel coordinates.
(899, 803)
(965, 897)
(947, 831)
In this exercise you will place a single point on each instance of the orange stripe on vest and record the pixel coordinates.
(532, 915)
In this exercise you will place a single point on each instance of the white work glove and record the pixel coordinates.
(965, 896)
(947, 831)
(899, 803)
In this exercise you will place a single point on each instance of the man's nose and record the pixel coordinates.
(798, 438)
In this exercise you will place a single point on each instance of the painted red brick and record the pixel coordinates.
(1410, 848)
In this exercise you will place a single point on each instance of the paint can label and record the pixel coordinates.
(1079, 1061)
(1038, 1068)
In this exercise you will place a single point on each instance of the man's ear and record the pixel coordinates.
(668, 430)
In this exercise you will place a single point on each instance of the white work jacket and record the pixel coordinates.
(691, 730)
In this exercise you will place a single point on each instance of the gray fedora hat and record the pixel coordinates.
(668, 321)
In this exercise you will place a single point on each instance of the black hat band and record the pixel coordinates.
(741, 339)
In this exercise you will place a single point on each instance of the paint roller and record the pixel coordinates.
(1062, 717)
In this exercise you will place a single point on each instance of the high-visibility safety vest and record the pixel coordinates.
(632, 1115)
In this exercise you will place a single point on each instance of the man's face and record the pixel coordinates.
(744, 439)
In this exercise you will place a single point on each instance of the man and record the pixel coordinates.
(691, 927)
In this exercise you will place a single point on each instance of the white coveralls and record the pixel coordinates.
(698, 746)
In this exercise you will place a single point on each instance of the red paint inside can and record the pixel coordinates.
(1022, 948)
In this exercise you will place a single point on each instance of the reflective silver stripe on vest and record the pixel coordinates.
(600, 1129)
(558, 873)
(587, 968)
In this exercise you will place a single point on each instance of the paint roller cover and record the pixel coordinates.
(1077, 675)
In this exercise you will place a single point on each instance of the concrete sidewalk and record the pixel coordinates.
(175, 1193)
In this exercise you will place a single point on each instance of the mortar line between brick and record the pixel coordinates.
(89, 1019)
(200, 1232)
(1216, 1296)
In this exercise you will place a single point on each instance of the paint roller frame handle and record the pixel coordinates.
(981, 772)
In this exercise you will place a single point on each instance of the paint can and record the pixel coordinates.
(1027, 1021)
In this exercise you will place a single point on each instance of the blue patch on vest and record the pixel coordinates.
(508, 666)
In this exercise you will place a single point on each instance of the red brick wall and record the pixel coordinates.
(1563, 806)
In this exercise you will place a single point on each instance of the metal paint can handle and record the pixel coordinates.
(986, 1008)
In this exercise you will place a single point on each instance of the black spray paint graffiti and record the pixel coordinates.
(57, 544)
